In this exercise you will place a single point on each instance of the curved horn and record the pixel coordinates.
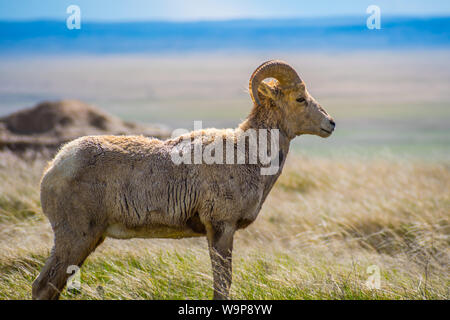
(277, 69)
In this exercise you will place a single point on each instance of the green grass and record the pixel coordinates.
(180, 275)
(324, 223)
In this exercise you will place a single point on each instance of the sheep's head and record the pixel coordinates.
(300, 112)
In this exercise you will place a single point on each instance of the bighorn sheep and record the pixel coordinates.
(129, 186)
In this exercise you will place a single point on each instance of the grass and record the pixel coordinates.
(325, 222)
(374, 193)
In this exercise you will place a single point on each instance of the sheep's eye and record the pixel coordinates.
(301, 100)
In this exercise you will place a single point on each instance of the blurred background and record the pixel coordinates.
(373, 196)
(173, 62)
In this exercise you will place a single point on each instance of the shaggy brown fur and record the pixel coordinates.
(124, 187)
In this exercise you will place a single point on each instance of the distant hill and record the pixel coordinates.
(35, 37)
(49, 124)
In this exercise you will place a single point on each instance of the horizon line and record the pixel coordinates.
(175, 21)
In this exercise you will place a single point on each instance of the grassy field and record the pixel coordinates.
(374, 193)
(395, 102)
(323, 225)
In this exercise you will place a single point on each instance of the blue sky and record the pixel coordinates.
(187, 10)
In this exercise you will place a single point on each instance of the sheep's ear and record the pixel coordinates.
(267, 90)
(301, 86)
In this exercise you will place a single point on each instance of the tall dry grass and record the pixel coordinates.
(323, 224)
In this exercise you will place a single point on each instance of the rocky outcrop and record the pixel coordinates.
(50, 124)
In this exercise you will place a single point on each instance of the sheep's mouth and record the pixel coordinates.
(329, 132)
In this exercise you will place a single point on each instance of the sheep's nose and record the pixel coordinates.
(333, 124)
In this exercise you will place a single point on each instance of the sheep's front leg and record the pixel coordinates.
(220, 241)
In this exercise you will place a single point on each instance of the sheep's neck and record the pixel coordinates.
(269, 117)
(266, 116)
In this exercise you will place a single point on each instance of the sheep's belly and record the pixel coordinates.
(119, 231)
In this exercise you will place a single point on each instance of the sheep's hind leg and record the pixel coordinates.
(220, 241)
(69, 249)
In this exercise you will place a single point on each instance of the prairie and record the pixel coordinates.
(373, 194)
(382, 101)
(323, 225)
